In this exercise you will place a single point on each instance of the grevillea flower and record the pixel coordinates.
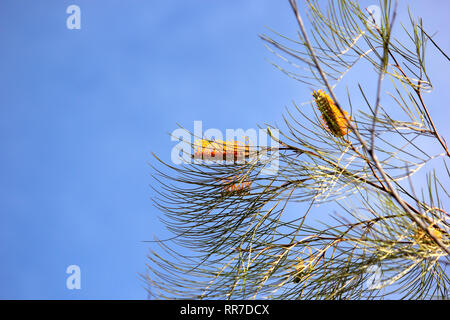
(422, 238)
(332, 118)
(299, 268)
(236, 184)
(220, 150)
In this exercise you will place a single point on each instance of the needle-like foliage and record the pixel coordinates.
(240, 233)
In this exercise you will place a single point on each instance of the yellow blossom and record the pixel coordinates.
(220, 150)
(236, 184)
(332, 118)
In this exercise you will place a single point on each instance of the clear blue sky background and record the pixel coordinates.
(81, 110)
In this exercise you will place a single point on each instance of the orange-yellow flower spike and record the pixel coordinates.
(234, 184)
(220, 150)
(332, 119)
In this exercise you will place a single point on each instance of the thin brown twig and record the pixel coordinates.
(425, 109)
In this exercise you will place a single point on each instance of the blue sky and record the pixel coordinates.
(81, 110)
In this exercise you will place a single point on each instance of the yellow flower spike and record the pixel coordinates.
(220, 150)
(424, 240)
(299, 268)
(436, 233)
(199, 145)
(332, 118)
(234, 184)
